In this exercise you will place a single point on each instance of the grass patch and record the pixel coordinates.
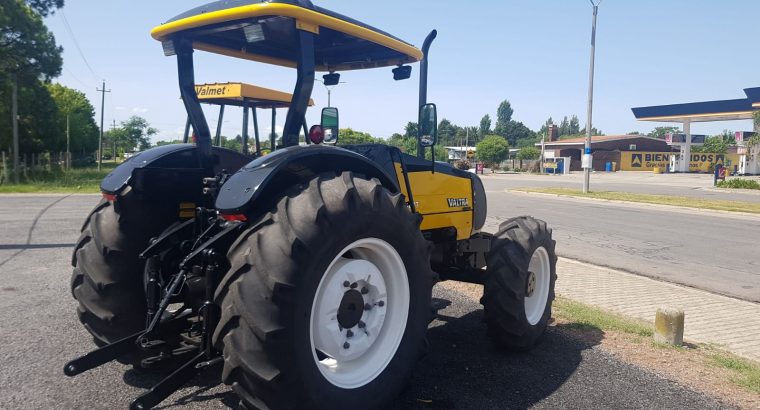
(686, 202)
(84, 180)
(582, 316)
(739, 183)
(746, 373)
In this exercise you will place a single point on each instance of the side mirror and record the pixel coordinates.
(330, 125)
(428, 125)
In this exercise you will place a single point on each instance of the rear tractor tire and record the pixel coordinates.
(328, 298)
(107, 280)
(519, 289)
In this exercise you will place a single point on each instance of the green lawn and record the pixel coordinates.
(582, 316)
(739, 183)
(687, 202)
(77, 180)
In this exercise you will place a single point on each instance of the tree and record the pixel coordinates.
(26, 45)
(716, 144)
(235, 144)
(504, 112)
(564, 127)
(45, 7)
(485, 126)
(514, 131)
(28, 53)
(659, 132)
(545, 128)
(529, 153)
(447, 133)
(574, 127)
(410, 130)
(73, 104)
(493, 150)
(133, 134)
(349, 136)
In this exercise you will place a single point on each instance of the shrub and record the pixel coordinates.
(463, 164)
(739, 183)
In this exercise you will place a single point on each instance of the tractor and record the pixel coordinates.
(304, 276)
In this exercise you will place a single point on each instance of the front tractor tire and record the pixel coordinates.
(327, 300)
(107, 280)
(519, 288)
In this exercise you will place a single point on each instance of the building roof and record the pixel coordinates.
(596, 139)
(705, 111)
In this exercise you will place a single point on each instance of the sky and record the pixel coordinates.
(534, 53)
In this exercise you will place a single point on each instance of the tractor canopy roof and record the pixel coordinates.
(265, 31)
(236, 93)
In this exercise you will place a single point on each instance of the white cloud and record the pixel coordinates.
(139, 110)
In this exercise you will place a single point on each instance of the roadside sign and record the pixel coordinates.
(479, 168)
(648, 161)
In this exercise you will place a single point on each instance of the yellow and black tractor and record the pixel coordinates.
(305, 274)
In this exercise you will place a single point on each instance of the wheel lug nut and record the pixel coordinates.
(349, 333)
(346, 284)
(346, 345)
(354, 285)
(367, 306)
(362, 325)
(365, 291)
(381, 303)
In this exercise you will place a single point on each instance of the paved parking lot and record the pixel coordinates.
(41, 332)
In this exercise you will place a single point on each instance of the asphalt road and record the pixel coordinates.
(707, 250)
(40, 333)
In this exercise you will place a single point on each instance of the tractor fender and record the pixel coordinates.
(169, 166)
(258, 183)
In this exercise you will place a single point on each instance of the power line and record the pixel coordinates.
(71, 74)
(76, 44)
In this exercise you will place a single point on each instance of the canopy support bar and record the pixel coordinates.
(190, 98)
(272, 135)
(186, 135)
(245, 127)
(302, 93)
(219, 126)
(256, 131)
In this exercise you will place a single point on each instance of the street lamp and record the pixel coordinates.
(329, 88)
(587, 162)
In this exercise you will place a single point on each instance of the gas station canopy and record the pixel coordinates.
(236, 93)
(720, 110)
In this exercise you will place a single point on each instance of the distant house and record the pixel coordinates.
(606, 148)
(457, 153)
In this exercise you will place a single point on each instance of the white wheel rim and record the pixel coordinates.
(537, 288)
(354, 361)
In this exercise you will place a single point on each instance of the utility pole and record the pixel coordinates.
(543, 153)
(14, 113)
(113, 127)
(68, 142)
(103, 92)
(587, 151)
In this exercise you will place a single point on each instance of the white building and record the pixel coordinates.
(457, 153)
